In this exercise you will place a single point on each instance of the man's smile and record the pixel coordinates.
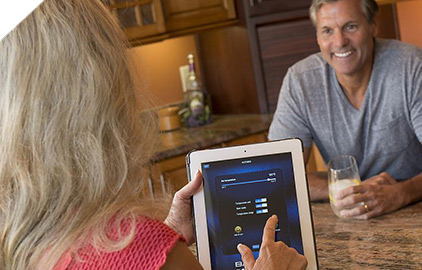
(343, 54)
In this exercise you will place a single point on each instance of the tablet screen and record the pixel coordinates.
(240, 195)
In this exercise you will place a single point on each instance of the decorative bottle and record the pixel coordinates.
(196, 109)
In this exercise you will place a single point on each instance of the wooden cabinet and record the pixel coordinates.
(281, 45)
(275, 34)
(184, 14)
(256, 138)
(315, 162)
(278, 41)
(152, 20)
(139, 18)
(169, 175)
(262, 7)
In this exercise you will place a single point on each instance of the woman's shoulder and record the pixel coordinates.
(151, 243)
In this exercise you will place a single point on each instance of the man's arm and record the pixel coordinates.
(411, 190)
(318, 181)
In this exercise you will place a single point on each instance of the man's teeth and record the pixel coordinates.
(344, 54)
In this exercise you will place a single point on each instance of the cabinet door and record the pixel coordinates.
(169, 175)
(316, 162)
(183, 14)
(261, 7)
(257, 138)
(139, 18)
(281, 45)
(176, 179)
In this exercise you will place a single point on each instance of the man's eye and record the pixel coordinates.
(351, 27)
(326, 31)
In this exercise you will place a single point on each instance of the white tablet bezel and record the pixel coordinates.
(293, 146)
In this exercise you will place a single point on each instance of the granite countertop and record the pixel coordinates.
(392, 241)
(223, 128)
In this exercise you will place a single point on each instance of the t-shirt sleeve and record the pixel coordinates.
(415, 97)
(290, 119)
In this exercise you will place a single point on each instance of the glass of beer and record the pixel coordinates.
(342, 173)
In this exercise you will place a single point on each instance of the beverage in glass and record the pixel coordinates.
(342, 173)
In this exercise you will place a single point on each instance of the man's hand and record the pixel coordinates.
(381, 194)
(380, 179)
(180, 215)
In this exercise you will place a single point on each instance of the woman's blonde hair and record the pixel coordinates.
(72, 141)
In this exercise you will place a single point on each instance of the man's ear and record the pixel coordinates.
(375, 26)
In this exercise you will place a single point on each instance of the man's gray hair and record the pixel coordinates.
(369, 8)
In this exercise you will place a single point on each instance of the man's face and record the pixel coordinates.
(345, 37)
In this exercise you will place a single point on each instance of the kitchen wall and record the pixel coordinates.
(410, 21)
(158, 67)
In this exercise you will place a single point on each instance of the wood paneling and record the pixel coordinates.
(227, 70)
(281, 46)
(387, 23)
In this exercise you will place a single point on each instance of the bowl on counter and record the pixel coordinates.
(168, 118)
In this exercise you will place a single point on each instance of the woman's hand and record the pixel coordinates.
(272, 255)
(180, 215)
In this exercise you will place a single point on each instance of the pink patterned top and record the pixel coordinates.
(152, 242)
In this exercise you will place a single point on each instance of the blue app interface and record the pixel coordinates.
(240, 195)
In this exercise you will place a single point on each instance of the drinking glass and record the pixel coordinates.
(342, 173)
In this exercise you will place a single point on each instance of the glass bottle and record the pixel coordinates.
(196, 109)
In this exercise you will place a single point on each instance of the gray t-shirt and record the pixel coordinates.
(384, 135)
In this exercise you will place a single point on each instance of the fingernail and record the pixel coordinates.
(274, 216)
(239, 247)
(197, 172)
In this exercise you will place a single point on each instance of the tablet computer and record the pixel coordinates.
(242, 187)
